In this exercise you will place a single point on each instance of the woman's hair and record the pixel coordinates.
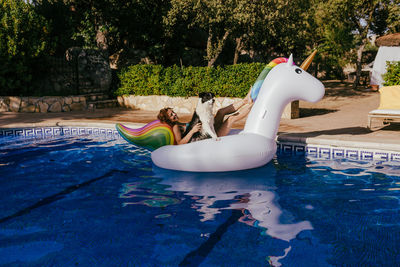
(163, 116)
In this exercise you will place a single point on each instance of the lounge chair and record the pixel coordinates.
(389, 107)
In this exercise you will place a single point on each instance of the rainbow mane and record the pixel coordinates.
(257, 84)
(151, 136)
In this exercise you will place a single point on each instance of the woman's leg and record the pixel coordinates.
(222, 112)
(226, 126)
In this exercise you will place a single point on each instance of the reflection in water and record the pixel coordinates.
(265, 213)
(274, 260)
(251, 191)
(147, 192)
(366, 175)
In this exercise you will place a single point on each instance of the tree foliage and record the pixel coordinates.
(215, 18)
(23, 41)
(346, 26)
(191, 32)
(393, 15)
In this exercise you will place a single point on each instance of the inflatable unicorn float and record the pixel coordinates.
(253, 147)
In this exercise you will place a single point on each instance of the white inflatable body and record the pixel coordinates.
(255, 146)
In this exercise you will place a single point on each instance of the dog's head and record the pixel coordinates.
(206, 96)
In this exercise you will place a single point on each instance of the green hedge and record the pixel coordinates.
(392, 76)
(228, 81)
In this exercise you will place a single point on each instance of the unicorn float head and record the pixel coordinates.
(255, 146)
(285, 83)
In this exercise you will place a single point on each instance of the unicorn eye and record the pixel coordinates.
(298, 71)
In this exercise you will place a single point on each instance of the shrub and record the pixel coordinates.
(392, 75)
(228, 81)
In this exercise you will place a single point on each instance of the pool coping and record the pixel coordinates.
(314, 147)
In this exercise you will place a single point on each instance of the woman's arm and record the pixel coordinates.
(187, 137)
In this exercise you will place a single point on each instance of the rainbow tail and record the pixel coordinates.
(151, 136)
(257, 84)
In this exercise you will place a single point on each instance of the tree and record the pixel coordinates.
(250, 25)
(215, 17)
(23, 41)
(109, 25)
(60, 17)
(352, 21)
(138, 25)
(393, 21)
(274, 28)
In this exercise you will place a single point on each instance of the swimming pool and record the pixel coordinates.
(93, 201)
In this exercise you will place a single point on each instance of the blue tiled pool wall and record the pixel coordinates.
(328, 152)
(283, 148)
(42, 132)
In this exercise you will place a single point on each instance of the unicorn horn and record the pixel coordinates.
(290, 61)
(308, 60)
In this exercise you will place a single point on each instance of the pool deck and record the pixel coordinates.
(339, 119)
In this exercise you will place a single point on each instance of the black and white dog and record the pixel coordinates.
(204, 115)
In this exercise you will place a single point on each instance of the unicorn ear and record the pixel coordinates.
(290, 61)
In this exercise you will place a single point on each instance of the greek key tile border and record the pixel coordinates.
(328, 152)
(42, 132)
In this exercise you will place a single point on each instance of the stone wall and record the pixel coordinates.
(153, 103)
(179, 104)
(188, 105)
(42, 104)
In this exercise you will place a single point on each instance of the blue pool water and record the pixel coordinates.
(84, 201)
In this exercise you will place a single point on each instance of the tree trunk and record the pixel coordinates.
(238, 48)
(360, 51)
(214, 50)
(364, 40)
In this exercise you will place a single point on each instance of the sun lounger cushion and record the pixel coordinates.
(389, 107)
(390, 97)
